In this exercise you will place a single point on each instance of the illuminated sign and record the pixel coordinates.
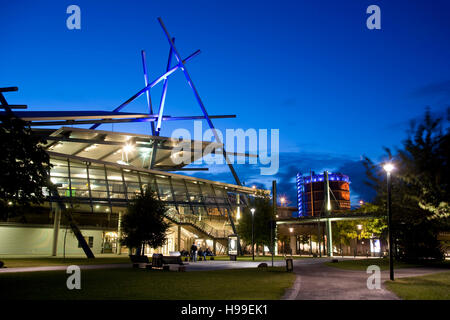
(233, 241)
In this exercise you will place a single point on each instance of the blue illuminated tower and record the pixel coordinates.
(300, 195)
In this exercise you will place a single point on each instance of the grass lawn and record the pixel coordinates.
(430, 287)
(362, 264)
(51, 261)
(149, 284)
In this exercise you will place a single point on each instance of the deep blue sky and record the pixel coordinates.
(312, 69)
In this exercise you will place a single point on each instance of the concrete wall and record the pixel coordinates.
(17, 240)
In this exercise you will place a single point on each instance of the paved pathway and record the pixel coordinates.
(191, 266)
(314, 281)
(321, 282)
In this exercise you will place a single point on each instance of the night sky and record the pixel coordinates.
(312, 69)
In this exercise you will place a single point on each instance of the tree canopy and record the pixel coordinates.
(24, 165)
(420, 188)
(262, 221)
(144, 224)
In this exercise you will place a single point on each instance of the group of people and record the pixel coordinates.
(195, 251)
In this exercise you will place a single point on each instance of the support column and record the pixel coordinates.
(329, 238)
(293, 244)
(179, 238)
(214, 246)
(119, 234)
(274, 205)
(56, 226)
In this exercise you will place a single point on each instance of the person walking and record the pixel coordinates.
(194, 252)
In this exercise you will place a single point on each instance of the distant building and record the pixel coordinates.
(311, 193)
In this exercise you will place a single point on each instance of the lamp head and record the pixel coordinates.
(252, 210)
(388, 167)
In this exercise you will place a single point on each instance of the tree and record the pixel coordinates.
(24, 165)
(262, 221)
(144, 224)
(345, 231)
(420, 189)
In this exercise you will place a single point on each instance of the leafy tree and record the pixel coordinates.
(345, 231)
(420, 189)
(303, 239)
(24, 165)
(262, 221)
(144, 224)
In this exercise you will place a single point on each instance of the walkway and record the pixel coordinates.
(191, 266)
(321, 282)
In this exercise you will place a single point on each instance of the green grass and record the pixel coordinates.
(383, 263)
(362, 264)
(49, 261)
(149, 284)
(430, 287)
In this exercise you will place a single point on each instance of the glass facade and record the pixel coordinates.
(105, 189)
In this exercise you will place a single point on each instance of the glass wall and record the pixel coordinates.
(99, 188)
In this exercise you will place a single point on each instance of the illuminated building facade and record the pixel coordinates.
(97, 174)
(311, 193)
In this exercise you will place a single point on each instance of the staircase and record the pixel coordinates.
(192, 222)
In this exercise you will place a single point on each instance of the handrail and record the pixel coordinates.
(193, 220)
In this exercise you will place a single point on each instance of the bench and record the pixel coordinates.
(164, 262)
(172, 260)
(138, 260)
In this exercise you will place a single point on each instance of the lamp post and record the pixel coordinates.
(388, 167)
(253, 233)
(358, 239)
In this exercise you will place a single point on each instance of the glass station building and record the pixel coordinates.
(97, 173)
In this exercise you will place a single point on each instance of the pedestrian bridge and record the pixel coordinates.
(327, 220)
(331, 217)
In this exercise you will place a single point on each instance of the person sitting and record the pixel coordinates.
(208, 252)
(200, 253)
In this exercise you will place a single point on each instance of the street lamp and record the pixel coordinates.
(253, 233)
(358, 239)
(282, 200)
(388, 167)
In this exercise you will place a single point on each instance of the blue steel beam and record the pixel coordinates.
(149, 86)
(197, 96)
(149, 99)
(161, 110)
(164, 92)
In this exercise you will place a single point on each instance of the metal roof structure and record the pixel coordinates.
(123, 148)
(114, 147)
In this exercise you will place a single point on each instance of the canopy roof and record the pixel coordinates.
(121, 148)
